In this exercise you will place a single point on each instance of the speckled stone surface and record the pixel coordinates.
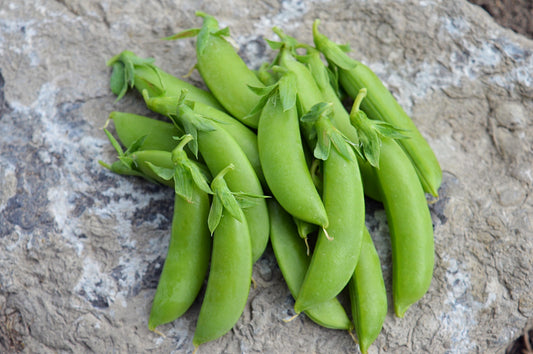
(81, 249)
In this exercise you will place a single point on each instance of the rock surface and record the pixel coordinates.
(81, 249)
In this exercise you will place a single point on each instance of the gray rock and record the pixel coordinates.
(81, 249)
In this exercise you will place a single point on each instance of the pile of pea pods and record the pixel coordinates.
(277, 154)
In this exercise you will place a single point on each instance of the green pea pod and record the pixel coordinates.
(142, 74)
(368, 296)
(380, 104)
(225, 73)
(293, 262)
(284, 164)
(230, 273)
(159, 135)
(219, 149)
(410, 225)
(333, 261)
(246, 138)
(187, 260)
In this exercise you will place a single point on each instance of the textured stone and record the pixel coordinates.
(81, 249)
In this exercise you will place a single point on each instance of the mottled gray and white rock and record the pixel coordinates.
(81, 248)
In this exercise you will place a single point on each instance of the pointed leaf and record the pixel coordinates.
(258, 107)
(274, 45)
(224, 32)
(287, 90)
(191, 32)
(198, 177)
(136, 145)
(231, 205)
(215, 214)
(323, 146)
(247, 200)
(163, 172)
(183, 184)
(388, 130)
(262, 91)
(117, 81)
(318, 110)
(114, 143)
(341, 145)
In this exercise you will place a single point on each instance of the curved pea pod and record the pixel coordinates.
(333, 261)
(230, 274)
(368, 296)
(159, 134)
(187, 260)
(219, 149)
(225, 73)
(410, 226)
(380, 104)
(129, 70)
(292, 259)
(284, 164)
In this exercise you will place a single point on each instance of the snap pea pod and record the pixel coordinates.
(368, 296)
(244, 136)
(284, 164)
(219, 149)
(130, 71)
(189, 249)
(381, 105)
(293, 261)
(410, 225)
(230, 272)
(159, 134)
(335, 256)
(225, 73)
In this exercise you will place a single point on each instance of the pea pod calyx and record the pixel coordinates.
(371, 132)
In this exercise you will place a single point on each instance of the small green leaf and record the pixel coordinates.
(248, 200)
(117, 81)
(224, 32)
(388, 130)
(323, 145)
(191, 32)
(318, 110)
(215, 214)
(340, 144)
(136, 145)
(198, 177)
(183, 184)
(163, 172)
(114, 143)
(287, 90)
(262, 91)
(258, 107)
(274, 45)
